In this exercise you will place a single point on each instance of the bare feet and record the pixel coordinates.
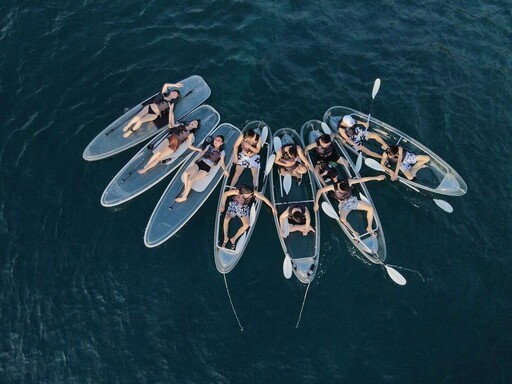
(142, 171)
(127, 133)
(180, 199)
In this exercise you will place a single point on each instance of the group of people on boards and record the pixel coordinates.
(290, 158)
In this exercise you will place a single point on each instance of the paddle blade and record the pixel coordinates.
(444, 205)
(359, 162)
(326, 128)
(264, 134)
(329, 210)
(287, 183)
(376, 87)
(270, 163)
(287, 267)
(373, 164)
(252, 215)
(395, 275)
(277, 144)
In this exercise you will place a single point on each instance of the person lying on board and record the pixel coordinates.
(240, 205)
(400, 159)
(299, 219)
(347, 201)
(325, 149)
(292, 161)
(246, 156)
(163, 102)
(211, 155)
(356, 133)
(170, 144)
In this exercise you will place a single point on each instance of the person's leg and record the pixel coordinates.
(255, 172)
(186, 182)
(343, 218)
(343, 162)
(188, 186)
(136, 118)
(362, 206)
(421, 160)
(156, 158)
(241, 230)
(236, 176)
(142, 120)
(225, 229)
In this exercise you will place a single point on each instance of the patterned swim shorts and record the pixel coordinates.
(248, 161)
(349, 205)
(237, 209)
(409, 160)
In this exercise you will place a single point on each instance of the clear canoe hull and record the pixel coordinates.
(437, 177)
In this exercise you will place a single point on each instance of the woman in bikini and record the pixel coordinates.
(210, 157)
(164, 101)
(177, 137)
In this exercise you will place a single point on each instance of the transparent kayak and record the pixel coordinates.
(371, 247)
(226, 259)
(437, 177)
(168, 216)
(128, 183)
(110, 141)
(304, 251)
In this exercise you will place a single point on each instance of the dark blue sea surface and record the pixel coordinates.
(82, 300)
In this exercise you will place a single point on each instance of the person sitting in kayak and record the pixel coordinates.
(211, 155)
(163, 102)
(356, 133)
(325, 150)
(240, 205)
(403, 160)
(326, 172)
(246, 156)
(176, 137)
(343, 193)
(292, 161)
(299, 219)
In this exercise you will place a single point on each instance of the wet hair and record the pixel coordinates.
(297, 215)
(244, 189)
(326, 139)
(250, 133)
(167, 94)
(198, 124)
(222, 145)
(392, 150)
(292, 150)
(343, 185)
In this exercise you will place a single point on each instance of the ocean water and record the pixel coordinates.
(82, 300)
